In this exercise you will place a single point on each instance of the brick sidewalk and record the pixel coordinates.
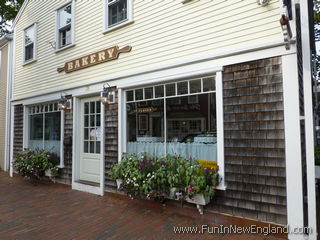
(53, 211)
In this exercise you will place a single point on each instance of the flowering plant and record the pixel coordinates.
(153, 177)
(34, 163)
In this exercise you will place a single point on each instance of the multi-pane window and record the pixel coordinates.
(92, 127)
(45, 127)
(64, 22)
(173, 118)
(117, 11)
(29, 43)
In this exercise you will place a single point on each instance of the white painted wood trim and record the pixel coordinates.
(86, 188)
(75, 127)
(8, 123)
(102, 148)
(220, 59)
(34, 44)
(57, 44)
(11, 141)
(62, 122)
(309, 118)
(25, 143)
(220, 129)
(129, 20)
(11, 104)
(293, 143)
(121, 127)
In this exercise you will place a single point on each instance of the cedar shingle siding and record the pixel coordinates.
(111, 141)
(65, 174)
(254, 142)
(18, 130)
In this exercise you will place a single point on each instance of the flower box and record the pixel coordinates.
(48, 173)
(119, 183)
(200, 200)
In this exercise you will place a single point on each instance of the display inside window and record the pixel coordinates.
(29, 42)
(117, 12)
(45, 127)
(64, 25)
(145, 127)
(172, 124)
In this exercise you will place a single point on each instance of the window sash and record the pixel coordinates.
(64, 29)
(29, 48)
(46, 137)
(118, 15)
(175, 93)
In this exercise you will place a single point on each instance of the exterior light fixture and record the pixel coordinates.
(263, 2)
(65, 102)
(107, 95)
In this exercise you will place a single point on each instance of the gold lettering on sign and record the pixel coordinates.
(110, 52)
(94, 58)
(77, 64)
(70, 66)
(102, 56)
(84, 61)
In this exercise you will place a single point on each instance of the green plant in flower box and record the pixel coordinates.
(153, 177)
(34, 163)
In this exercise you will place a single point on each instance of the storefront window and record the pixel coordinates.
(145, 127)
(161, 124)
(45, 127)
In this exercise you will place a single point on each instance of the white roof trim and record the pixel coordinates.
(6, 38)
(20, 13)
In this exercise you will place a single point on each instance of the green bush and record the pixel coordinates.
(34, 163)
(153, 177)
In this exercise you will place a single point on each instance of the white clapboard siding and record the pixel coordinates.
(162, 32)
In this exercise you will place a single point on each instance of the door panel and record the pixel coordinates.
(90, 139)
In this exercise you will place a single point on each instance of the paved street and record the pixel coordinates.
(53, 211)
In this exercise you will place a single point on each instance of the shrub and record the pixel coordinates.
(34, 163)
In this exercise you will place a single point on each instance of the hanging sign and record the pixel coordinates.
(94, 59)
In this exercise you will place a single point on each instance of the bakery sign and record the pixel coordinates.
(102, 56)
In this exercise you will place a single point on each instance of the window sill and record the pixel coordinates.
(117, 26)
(64, 48)
(29, 62)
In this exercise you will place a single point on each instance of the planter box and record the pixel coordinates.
(119, 183)
(200, 200)
(48, 173)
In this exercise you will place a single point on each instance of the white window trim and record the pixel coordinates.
(26, 114)
(57, 44)
(129, 19)
(34, 45)
(122, 120)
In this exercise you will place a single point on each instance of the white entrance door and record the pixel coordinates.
(90, 139)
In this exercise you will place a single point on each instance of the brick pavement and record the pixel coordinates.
(53, 211)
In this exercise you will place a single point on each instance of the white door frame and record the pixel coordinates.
(99, 190)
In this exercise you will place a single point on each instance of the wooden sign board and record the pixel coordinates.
(94, 59)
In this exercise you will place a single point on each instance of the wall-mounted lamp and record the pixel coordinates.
(263, 2)
(107, 95)
(65, 102)
(53, 44)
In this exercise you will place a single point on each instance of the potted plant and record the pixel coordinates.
(34, 164)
